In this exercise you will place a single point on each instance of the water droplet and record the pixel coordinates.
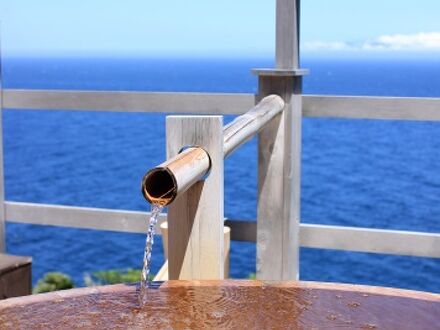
(218, 314)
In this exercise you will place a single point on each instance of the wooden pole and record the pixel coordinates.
(195, 218)
(287, 34)
(279, 155)
(246, 126)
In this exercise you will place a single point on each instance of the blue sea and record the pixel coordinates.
(362, 173)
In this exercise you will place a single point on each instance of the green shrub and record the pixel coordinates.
(53, 281)
(114, 276)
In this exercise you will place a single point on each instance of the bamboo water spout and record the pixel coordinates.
(162, 184)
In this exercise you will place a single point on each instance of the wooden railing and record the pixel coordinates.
(324, 106)
(396, 242)
(273, 228)
(311, 235)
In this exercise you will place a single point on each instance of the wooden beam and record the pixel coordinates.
(279, 161)
(366, 107)
(287, 34)
(349, 107)
(279, 155)
(80, 217)
(244, 127)
(371, 240)
(189, 103)
(397, 242)
(195, 218)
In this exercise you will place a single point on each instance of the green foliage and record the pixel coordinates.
(53, 282)
(252, 276)
(113, 276)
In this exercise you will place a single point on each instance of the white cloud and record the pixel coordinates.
(321, 45)
(418, 41)
(410, 42)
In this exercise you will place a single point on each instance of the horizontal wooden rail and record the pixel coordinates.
(352, 239)
(367, 107)
(370, 240)
(311, 235)
(182, 103)
(79, 217)
(351, 107)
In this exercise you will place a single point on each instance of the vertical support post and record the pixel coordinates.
(2, 186)
(287, 34)
(195, 219)
(279, 155)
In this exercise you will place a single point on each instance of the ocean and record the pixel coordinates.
(362, 173)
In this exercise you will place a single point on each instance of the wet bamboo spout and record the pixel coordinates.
(162, 184)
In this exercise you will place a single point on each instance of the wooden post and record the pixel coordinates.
(162, 276)
(2, 186)
(279, 155)
(195, 219)
(287, 34)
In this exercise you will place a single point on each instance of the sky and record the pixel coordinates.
(230, 28)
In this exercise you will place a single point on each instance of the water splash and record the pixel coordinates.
(149, 241)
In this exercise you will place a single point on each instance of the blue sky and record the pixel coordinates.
(213, 28)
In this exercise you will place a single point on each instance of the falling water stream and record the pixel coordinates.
(149, 241)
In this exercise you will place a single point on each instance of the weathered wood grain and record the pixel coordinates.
(287, 34)
(349, 107)
(279, 160)
(80, 217)
(173, 102)
(368, 107)
(195, 219)
(279, 155)
(244, 127)
(163, 273)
